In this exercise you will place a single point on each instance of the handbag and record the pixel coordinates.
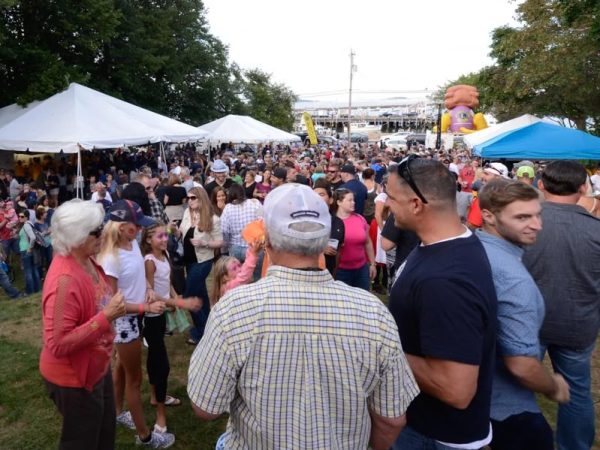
(177, 321)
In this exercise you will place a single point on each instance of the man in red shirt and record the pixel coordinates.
(492, 171)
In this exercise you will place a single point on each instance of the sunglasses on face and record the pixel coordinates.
(332, 171)
(405, 173)
(192, 197)
(97, 232)
(22, 217)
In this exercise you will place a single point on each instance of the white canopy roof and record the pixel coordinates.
(245, 129)
(81, 116)
(11, 112)
(486, 134)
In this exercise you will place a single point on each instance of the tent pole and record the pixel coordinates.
(79, 176)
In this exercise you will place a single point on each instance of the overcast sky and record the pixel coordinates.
(400, 45)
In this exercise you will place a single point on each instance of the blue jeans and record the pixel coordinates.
(32, 275)
(239, 252)
(355, 277)
(575, 419)
(409, 439)
(7, 286)
(10, 246)
(195, 286)
(523, 431)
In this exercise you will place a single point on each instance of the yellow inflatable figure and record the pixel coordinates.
(460, 100)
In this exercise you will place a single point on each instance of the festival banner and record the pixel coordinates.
(310, 128)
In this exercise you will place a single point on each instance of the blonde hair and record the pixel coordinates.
(110, 240)
(205, 210)
(219, 274)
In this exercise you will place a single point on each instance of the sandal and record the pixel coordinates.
(190, 341)
(172, 401)
(169, 401)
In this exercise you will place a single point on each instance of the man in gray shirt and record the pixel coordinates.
(565, 263)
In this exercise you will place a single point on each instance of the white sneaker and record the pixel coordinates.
(126, 420)
(159, 429)
(157, 440)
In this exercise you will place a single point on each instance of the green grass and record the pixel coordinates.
(29, 420)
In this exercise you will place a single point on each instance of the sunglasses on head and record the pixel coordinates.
(97, 232)
(405, 173)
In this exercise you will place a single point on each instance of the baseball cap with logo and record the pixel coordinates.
(525, 171)
(295, 203)
(128, 211)
(497, 168)
(348, 168)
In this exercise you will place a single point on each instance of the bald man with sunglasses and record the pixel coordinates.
(444, 304)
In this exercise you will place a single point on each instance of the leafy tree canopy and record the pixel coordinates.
(548, 65)
(158, 54)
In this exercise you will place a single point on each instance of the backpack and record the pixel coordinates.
(39, 238)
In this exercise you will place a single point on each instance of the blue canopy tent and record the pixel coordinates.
(541, 140)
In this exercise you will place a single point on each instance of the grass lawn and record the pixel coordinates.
(28, 418)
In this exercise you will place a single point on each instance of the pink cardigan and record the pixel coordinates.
(244, 276)
(77, 337)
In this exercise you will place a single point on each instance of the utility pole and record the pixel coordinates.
(352, 70)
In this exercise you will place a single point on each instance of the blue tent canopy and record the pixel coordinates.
(541, 141)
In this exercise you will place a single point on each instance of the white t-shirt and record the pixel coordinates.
(129, 271)
(162, 278)
(595, 179)
(95, 197)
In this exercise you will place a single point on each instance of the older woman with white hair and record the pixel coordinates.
(78, 306)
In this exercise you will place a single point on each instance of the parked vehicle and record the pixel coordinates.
(397, 143)
(400, 134)
(415, 139)
(321, 139)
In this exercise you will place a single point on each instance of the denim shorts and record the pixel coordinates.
(127, 329)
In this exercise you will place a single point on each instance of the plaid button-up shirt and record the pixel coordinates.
(298, 359)
(158, 212)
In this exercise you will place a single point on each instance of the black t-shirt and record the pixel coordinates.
(249, 190)
(444, 303)
(336, 185)
(405, 240)
(213, 184)
(176, 195)
(337, 232)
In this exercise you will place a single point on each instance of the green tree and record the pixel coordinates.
(548, 65)
(158, 54)
(48, 44)
(164, 59)
(267, 101)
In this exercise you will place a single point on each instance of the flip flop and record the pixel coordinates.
(172, 401)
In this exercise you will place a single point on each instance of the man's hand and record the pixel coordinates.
(562, 392)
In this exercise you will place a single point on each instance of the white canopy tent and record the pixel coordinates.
(486, 134)
(246, 130)
(11, 112)
(82, 118)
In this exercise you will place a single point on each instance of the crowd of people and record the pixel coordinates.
(485, 268)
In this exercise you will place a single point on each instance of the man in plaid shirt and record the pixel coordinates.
(299, 360)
